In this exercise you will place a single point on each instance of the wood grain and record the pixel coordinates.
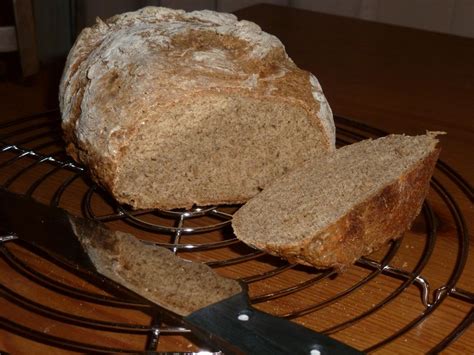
(392, 78)
(26, 36)
(398, 79)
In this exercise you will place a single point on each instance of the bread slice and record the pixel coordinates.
(170, 109)
(334, 209)
(153, 272)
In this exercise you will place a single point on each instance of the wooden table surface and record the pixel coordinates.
(396, 79)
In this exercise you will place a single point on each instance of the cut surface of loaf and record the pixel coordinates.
(334, 209)
(170, 109)
(151, 271)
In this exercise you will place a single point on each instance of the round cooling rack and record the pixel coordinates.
(417, 289)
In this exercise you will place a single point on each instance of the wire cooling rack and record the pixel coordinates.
(65, 308)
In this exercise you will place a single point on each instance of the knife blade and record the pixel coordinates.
(215, 308)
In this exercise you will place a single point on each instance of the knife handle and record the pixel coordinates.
(238, 328)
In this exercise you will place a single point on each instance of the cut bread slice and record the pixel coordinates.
(152, 271)
(334, 209)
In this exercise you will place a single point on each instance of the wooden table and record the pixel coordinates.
(395, 79)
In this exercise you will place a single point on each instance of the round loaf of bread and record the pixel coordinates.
(169, 109)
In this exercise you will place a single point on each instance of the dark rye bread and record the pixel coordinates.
(334, 209)
(153, 272)
(168, 109)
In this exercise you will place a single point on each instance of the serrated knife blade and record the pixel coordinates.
(215, 308)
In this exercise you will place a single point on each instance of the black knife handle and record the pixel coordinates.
(238, 328)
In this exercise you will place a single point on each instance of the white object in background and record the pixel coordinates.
(348, 8)
(8, 41)
(431, 15)
(368, 9)
(462, 23)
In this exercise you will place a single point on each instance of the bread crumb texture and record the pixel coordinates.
(336, 208)
(170, 109)
(153, 272)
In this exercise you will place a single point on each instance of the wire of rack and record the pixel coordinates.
(32, 155)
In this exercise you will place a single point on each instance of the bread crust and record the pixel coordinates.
(369, 225)
(128, 70)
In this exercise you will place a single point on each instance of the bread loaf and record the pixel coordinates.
(334, 209)
(168, 109)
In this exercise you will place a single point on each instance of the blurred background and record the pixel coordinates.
(362, 50)
(47, 29)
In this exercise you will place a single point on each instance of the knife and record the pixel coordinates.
(215, 308)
